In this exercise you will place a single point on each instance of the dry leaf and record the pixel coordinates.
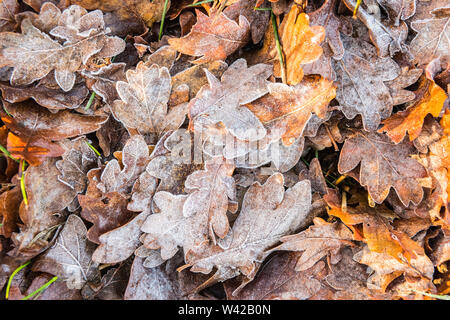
(301, 44)
(213, 37)
(383, 165)
(221, 101)
(317, 241)
(70, 257)
(84, 34)
(33, 129)
(267, 214)
(288, 109)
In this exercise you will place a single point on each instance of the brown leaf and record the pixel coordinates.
(35, 128)
(278, 280)
(289, 108)
(54, 99)
(119, 244)
(135, 158)
(258, 19)
(8, 9)
(268, 213)
(75, 23)
(147, 11)
(9, 210)
(77, 160)
(325, 17)
(106, 79)
(387, 268)
(106, 212)
(213, 37)
(209, 191)
(221, 101)
(70, 257)
(431, 40)
(317, 241)
(150, 284)
(360, 80)
(388, 38)
(44, 212)
(383, 165)
(144, 98)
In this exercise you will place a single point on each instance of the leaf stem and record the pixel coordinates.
(278, 44)
(42, 288)
(8, 286)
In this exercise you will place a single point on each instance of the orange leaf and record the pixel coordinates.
(301, 44)
(411, 120)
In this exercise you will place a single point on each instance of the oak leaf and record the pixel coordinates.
(222, 101)
(209, 191)
(431, 40)
(301, 44)
(383, 165)
(316, 242)
(431, 100)
(33, 130)
(289, 108)
(213, 37)
(84, 34)
(147, 11)
(70, 257)
(44, 211)
(8, 9)
(267, 214)
(144, 98)
(360, 80)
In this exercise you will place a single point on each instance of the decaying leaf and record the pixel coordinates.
(33, 130)
(301, 44)
(209, 191)
(144, 98)
(267, 214)
(432, 100)
(360, 79)
(84, 35)
(222, 101)
(317, 241)
(70, 257)
(383, 165)
(213, 37)
(287, 109)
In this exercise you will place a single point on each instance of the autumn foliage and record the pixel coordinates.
(241, 149)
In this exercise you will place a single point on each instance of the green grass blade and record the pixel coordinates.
(8, 286)
(42, 288)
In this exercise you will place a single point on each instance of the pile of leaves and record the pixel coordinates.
(240, 149)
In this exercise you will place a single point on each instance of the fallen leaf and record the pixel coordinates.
(33, 129)
(144, 98)
(316, 242)
(221, 101)
(213, 37)
(360, 80)
(84, 36)
(383, 165)
(301, 44)
(70, 257)
(289, 108)
(267, 214)
(431, 100)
